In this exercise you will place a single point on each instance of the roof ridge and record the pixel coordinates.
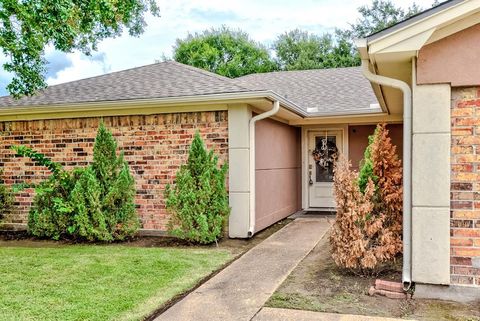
(172, 62)
(297, 71)
(208, 73)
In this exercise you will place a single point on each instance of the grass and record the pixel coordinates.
(97, 282)
(293, 301)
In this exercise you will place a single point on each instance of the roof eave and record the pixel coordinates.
(351, 112)
(145, 106)
(409, 36)
(412, 20)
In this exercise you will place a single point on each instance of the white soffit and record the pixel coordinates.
(459, 25)
(409, 44)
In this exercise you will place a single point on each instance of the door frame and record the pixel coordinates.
(306, 130)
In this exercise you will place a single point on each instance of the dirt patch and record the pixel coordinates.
(318, 285)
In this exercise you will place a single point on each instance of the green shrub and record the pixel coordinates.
(198, 200)
(95, 203)
(89, 221)
(6, 199)
(51, 213)
(366, 166)
(116, 185)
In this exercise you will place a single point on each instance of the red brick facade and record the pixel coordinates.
(155, 146)
(465, 187)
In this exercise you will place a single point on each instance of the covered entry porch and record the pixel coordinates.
(349, 140)
(273, 172)
(289, 174)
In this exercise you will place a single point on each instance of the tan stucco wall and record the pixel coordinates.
(277, 171)
(358, 141)
(431, 184)
(454, 59)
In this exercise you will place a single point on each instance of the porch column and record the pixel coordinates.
(239, 116)
(431, 183)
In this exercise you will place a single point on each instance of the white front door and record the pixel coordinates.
(320, 171)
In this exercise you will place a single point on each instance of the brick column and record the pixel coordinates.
(465, 187)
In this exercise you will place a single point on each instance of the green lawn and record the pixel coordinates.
(97, 282)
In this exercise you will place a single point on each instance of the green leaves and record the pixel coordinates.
(95, 203)
(7, 199)
(366, 170)
(198, 201)
(224, 51)
(300, 50)
(233, 54)
(89, 222)
(40, 159)
(28, 27)
(105, 161)
(380, 15)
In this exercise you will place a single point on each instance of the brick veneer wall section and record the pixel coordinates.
(465, 187)
(155, 146)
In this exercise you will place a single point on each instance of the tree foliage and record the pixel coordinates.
(198, 200)
(368, 228)
(300, 50)
(233, 54)
(104, 196)
(27, 27)
(95, 203)
(380, 15)
(224, 51)
(7, 199)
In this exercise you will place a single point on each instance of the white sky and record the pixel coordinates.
(264, 20)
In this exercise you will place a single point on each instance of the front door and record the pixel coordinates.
(323, 148)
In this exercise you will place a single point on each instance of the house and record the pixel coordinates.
(420, 76)
(265, 126)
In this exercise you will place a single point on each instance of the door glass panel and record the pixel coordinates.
(325, 154)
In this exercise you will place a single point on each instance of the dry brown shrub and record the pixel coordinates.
(368, 228)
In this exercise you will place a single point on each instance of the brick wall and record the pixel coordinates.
(465, 187)
(154, 146)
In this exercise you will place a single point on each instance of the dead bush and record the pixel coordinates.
(368, 228)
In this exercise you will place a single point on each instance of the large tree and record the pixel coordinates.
(379, 15)
(27, 27)
(224, 51)
(300, 50)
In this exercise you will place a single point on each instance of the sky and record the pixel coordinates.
(264, 20)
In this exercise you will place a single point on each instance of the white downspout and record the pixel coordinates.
(271, 112)
(407, 166)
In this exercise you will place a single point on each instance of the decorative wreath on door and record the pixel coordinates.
(325, 153)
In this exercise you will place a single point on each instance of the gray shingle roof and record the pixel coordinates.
(160, 80)
(319, 91)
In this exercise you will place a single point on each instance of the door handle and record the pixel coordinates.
(310, 181)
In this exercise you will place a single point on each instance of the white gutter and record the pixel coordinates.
(271, 112)
(407, 165)
(75, 107)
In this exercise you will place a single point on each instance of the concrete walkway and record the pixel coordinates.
(272, 314)
(240, 291)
